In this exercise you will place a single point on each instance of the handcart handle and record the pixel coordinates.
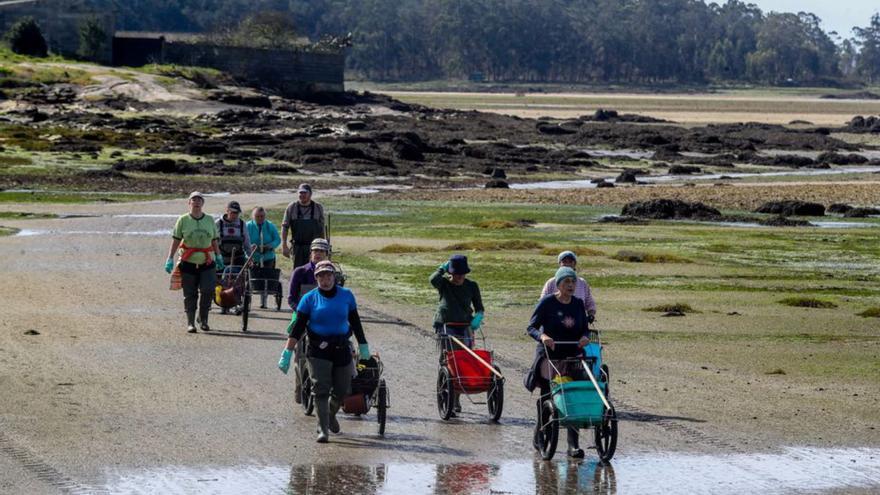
(475, 356)
(595, 383)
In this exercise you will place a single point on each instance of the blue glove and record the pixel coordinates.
(477, 321)
(219, 262)
(364, 350)
(169, 265)
(284, 362)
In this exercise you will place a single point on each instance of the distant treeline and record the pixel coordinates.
(571, 41)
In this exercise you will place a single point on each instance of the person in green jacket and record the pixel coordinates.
(460, 310)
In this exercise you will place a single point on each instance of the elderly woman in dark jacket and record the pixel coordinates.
(559, 317)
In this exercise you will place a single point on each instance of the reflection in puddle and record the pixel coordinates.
(796, 470)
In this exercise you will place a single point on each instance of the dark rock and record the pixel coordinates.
(841, 159)
(553, 129)
(497, 184)
(628, 176)
(673, 313)
(860, 95)
(602, 115)
(207, 147)
(684, 170)
(31, 332)
(604, 184)
(241, 98)
(795, 161)
(155, 165)
(356, 125)
(669, 209)
(782, 221)
(800, 122)
(499, 173)
(839, 208)
(405, 149)
(857, 122)
(861, 212)
(792, 208)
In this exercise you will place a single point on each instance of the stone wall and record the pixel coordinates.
(290, 72)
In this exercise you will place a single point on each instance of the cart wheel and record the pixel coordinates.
(245, 310)
(445, 396)
(606, 435)
(308, 401)
(495, 397)
(381, 405)
(548, 433)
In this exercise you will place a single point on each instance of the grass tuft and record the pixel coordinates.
(672, 308)
(777, 371)
(807, 302)
(580, 251)
(504, 224)
(405, 248)
(871, 313)
(512, 245)
(642, 257)
(10, 161)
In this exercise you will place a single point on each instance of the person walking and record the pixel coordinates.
(235, 245)
(328, 314)
(559, 317)
(582, 289)
(302, 279)
(264, 235)
(195, 240)
(304, 219)
(460, 309)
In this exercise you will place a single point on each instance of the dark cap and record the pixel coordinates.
(234, 206)
(304, 188)
(458, 265)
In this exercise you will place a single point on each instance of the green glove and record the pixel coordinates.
(219, 262)
(364, 350)
(169, 265)
(477, 321)
(291, 324)
(444, 267)
(284, 362)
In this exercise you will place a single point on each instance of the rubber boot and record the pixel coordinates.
(322, 410)
(191, 321)
(332, 422)
(536, 440)
(574, 451)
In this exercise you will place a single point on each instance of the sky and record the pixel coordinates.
(836, 15)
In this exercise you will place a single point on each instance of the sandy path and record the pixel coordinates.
(114, 384)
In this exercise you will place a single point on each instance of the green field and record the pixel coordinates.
(736, 280)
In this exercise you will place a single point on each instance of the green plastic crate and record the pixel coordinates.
(578, 404)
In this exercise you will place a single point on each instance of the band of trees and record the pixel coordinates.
(572, 41)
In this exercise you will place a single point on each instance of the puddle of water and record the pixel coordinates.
(795, 470)
(659, 179)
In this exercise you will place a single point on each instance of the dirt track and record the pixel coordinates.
(113, 384)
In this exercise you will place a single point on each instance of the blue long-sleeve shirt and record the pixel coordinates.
(270, 238)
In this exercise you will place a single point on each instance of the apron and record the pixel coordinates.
(305, 230)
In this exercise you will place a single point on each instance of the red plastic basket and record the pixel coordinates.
(469, 375)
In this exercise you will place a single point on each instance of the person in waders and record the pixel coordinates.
(558, 317)
(460, 310)
(264, 235)
(235, 246)
(195, 240)
(301, 282)
(304, 218)
(329, 315)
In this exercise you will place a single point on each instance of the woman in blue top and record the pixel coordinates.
(329, 314)
(559, 317)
